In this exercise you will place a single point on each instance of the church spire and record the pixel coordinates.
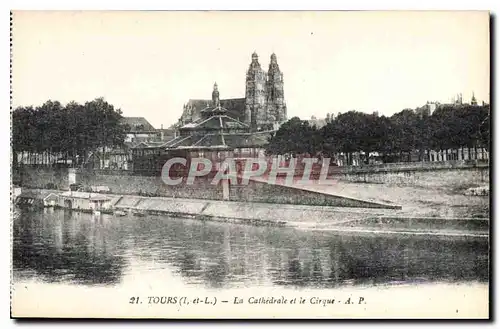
(215, 96)
(274, 68)
(274, 59)
(473, 101)
(255, 65)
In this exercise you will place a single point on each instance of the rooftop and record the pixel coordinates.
(138, 124)
(221, 140)
(235, 106)
(84, 195)
(216, 122)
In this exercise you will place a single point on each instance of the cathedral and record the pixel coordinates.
(263, 107)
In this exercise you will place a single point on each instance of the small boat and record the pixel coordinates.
(120, 213)
(139, 213)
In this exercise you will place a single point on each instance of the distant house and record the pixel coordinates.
(167, 134)
(319, 123)
(85, 201)
(118, 158)
(427, 109)
(37, 199)
(29, 198)
(51, 200)
(16, 191)
(140, 130)
(100, 203)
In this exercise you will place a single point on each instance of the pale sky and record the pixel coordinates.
(151, 63)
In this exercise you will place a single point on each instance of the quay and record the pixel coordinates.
(440, 202)
(347, 220)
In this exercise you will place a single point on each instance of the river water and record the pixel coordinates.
(61, 248)
(56, 246)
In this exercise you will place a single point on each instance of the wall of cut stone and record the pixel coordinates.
(126, 183)
(263, 192)
(41, 177)
(152, 186)
(439, 178)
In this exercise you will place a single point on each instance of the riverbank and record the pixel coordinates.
(304, 217)
(414, 178)
(447, 200)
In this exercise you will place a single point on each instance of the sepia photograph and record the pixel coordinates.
(250, 164)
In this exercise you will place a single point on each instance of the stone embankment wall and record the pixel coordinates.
(41, 177)
(263, 192)
(125, 183)
(347, 220)
(120, 182)
(412, 166)
(202, 188)
(421, 178)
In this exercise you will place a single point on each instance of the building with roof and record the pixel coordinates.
(319, 123)
(41, 198)
(167, 134)
(263, 105)
(214, 135)
(456, 101)
(141, 135)
(84, 201)
(427, 109)
(140, 130)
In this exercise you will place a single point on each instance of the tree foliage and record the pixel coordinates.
(449, 127)
(71, 131)
(295, 137)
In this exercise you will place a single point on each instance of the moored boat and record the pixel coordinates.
(139, 213)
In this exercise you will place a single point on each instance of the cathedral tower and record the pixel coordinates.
(255, 94)
(276, 107)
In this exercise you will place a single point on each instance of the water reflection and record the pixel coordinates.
(60, 246)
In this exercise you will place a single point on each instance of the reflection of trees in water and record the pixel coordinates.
(221, 253)
(63, 247)
(210, 252)
(357, 260)
(208, 258)
(365, 260)
(375, 260)
(317, 270)
(78, 248)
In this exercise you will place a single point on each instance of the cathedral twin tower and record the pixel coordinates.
(264, 95)
(263, 107)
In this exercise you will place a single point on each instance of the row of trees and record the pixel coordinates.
(75, 131)
(449, 127)
(70, 132)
